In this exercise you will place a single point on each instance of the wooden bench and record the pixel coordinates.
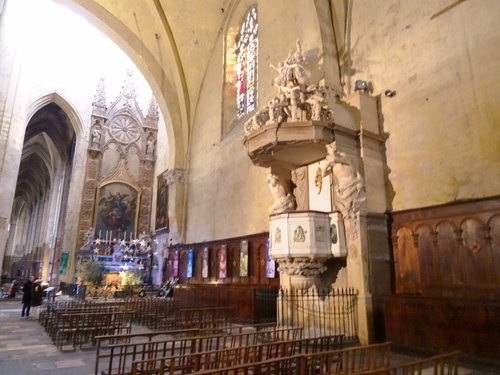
(121, 356)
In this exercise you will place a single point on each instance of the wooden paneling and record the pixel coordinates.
(448, 257)
(241, 298)
(455, 245)
(440, 324)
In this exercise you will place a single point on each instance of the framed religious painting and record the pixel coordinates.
(161, 221)
(116, 214)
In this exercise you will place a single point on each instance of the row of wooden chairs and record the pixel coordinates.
(78, 329)
(182, 364)
(78, 324)
(117, 358)
(185, 318)
(361, 360)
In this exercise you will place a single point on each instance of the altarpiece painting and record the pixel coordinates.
(116, 210)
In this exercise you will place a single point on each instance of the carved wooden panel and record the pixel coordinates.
(406, 262)
(448, 250)
(494, 237)
(440, 325)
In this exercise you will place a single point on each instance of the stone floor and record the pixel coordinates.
(25, 349)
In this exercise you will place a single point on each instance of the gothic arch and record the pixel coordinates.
(61, 101)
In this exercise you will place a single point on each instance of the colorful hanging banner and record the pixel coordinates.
(244, 258)
(63, 266)
(204, 267)
(190, 264)
(175, 271)
(223, 262)
(270, 263)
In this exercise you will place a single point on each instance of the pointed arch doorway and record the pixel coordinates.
(34, 244)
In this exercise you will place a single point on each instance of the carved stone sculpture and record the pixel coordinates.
(302, 267)
(88, 239)
(150, 147)
(96, 135)
(297, 99)
(348, 185)
(284, 201)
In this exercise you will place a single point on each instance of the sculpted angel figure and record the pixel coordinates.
(291, 70)
(317, 101)
(294, 69)
(280, 79)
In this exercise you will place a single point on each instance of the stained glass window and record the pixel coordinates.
(246, 65)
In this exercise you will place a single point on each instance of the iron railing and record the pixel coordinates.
(320, 312)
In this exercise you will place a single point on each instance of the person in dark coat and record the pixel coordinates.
(27, 293)
(36, 297)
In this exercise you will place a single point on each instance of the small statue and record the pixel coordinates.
(88, 239)
(280, 80)
(150, 146)
(294, 67)
(117, 253)
(96, 135)
(316, 100)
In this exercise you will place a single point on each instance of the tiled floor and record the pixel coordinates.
(25, 349)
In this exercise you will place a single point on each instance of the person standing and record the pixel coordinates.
(27, 294)
(36, 297)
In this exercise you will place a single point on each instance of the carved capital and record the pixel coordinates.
(173, 176)
(301, 266)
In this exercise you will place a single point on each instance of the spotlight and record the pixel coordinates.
(360, 85)
(390, 93)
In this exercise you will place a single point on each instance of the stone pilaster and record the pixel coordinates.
(176, 181)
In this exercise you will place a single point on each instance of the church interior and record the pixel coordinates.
(320, 148)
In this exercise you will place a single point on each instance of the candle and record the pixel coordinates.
(125, 236)
(99, 234)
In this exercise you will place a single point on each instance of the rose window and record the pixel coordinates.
(124, 129)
